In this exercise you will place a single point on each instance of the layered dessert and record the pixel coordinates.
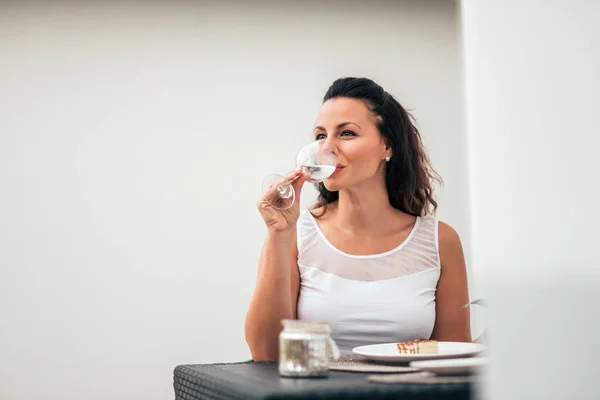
(419, 346)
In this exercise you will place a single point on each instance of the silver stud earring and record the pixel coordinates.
(388, 159)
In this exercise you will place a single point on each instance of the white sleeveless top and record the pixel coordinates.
(368, 299)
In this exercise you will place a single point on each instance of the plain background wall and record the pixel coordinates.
(532, 73)
(133, 143)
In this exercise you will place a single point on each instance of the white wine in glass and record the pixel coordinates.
(319, 158)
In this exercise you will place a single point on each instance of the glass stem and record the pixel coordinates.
(289, 182)
(294, 180)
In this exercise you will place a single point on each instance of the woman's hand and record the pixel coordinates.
(283, 220)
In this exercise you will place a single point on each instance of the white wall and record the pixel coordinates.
(533, 91)
(133, 142)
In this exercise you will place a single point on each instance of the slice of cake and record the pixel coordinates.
(419, 346)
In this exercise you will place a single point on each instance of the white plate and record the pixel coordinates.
(454, 366)
(388, 352)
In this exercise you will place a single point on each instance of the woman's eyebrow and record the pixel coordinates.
(340, 126)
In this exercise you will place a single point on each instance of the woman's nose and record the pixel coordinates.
(331, 146)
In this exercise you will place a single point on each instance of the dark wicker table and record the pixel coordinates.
(253, 380)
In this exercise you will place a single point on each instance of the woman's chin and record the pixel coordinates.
(332, 185)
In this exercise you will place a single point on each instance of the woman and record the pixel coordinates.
(368, 257)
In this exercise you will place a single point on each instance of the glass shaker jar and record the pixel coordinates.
(305, 348)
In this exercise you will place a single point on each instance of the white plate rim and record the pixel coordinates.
(451, 362)
(452, 366)
(366, 351)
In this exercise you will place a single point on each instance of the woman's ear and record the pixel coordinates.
(386, 143)
(388, 149)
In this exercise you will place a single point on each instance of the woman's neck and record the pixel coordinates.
(365, 208)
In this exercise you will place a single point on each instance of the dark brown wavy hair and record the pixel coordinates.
(409, 175)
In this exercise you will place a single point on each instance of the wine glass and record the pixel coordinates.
(319, 158)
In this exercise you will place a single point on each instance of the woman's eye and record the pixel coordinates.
(320, 136)
(348, 133)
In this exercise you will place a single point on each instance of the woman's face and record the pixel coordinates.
(349, 126)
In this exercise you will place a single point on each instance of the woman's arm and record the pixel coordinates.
(452, 323)
(275, 296)
(277, 286)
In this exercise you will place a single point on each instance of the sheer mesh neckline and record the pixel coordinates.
(364, 256)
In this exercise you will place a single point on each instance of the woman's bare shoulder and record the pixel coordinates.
(447, 235)
(450, 245)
